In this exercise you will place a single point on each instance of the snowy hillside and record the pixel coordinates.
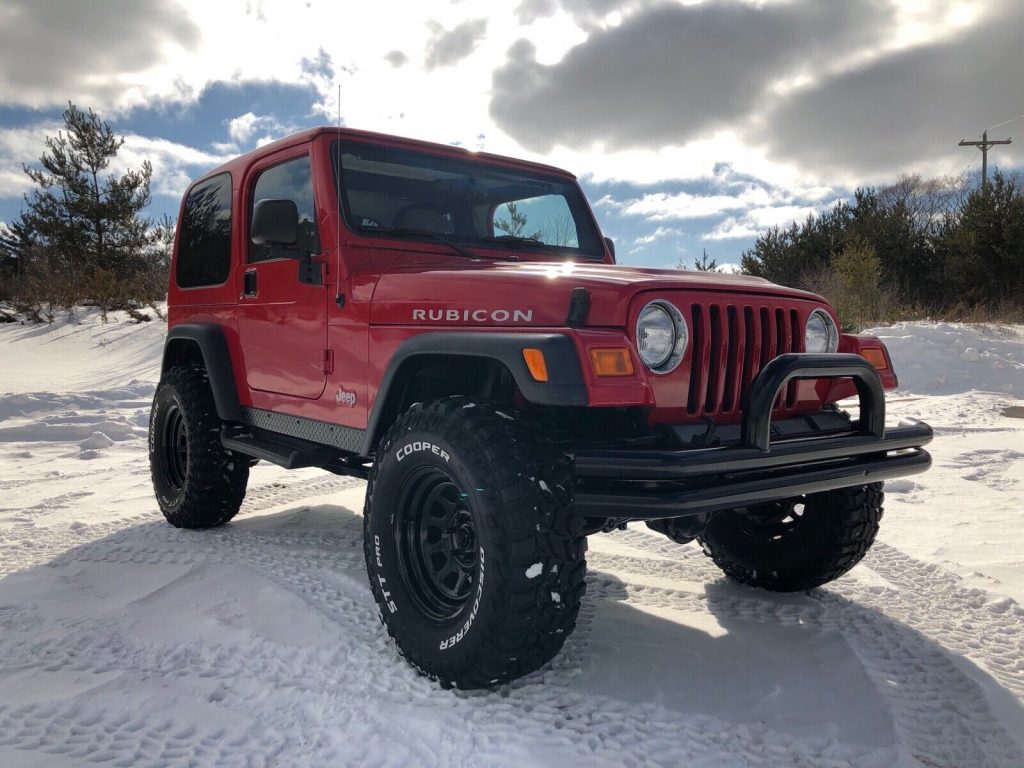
(126, 642)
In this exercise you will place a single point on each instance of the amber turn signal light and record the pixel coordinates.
(611, 362)
(876, 357)
(536, 363)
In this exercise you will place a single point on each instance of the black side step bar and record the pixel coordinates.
(283, 450)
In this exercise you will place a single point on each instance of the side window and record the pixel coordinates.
(293, 181)
(546, 218)
(204, 246)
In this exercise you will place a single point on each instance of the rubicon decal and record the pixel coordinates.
(474, 315)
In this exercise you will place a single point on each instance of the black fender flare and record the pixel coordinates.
(213, 347)
(565, 385)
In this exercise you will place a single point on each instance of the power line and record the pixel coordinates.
(984, 145)
(948, 167)
(1005, 122)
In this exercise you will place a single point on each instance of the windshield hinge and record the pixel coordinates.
(579, 308)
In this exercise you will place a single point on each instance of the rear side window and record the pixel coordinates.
(293, 181)
(204, 247)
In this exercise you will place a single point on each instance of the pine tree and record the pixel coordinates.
(516, 223)
(704, 264)
(82, 216)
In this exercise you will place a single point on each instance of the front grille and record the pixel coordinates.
(731, 343)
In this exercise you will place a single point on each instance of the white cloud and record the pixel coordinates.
(173, 164)
(757, 220)
(686, 70)
(667, 124)
(13, 183)
(733, 229)
(243, 128)
(18, 146)
(102, 54)
(449, 46)
(658, 234)
(658, 206)
(722, 158)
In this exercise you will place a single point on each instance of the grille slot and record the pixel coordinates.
(731, 343)
(715, 360)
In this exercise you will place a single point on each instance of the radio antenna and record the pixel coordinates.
(337, 181)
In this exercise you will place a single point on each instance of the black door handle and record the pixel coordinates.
(249, 283)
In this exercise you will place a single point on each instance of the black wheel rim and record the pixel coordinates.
(436, 542)
(771, 522)
(174, 445)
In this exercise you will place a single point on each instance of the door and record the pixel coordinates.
(282, 320)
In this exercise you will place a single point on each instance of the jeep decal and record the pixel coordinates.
(345, 397)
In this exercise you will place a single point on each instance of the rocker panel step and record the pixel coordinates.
(283, 450)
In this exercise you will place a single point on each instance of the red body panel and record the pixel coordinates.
(282, 327)
(321, 351)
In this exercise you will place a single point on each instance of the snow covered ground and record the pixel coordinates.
(126, 642)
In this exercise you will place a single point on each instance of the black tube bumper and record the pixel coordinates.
(655, 484)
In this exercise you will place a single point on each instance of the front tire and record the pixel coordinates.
(475, 558)
(797, 544)
(198, 483)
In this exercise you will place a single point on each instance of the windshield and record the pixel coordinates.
(406, 193)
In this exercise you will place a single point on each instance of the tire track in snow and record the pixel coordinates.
(325, 570)
(900, 635)
(58, 477)
(26, 545)
(591, 728)
(970, 735)
(928, 598)
(966, 620)
(941, 714)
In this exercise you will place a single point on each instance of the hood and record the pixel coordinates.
(538, 293)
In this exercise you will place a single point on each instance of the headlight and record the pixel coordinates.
(821, 334)
(661, 336)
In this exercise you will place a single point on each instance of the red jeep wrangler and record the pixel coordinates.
(452, 327)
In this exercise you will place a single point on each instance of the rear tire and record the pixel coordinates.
(475, 558)
(198, 482)
(796, 544)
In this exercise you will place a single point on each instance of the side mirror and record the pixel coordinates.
(611, 246)
(275, 222)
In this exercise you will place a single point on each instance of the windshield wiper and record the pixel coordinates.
(532, 242)
(428, 233)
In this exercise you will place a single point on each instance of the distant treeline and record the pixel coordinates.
(81, 238)
(934, 247)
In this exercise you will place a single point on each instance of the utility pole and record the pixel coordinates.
(984, 145)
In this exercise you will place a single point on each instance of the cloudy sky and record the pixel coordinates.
(691, 125)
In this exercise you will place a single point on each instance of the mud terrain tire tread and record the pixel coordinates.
(216, 478)
(527, 510)
(841, 527)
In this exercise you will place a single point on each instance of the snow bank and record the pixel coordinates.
(953, 358)
(82, 353)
